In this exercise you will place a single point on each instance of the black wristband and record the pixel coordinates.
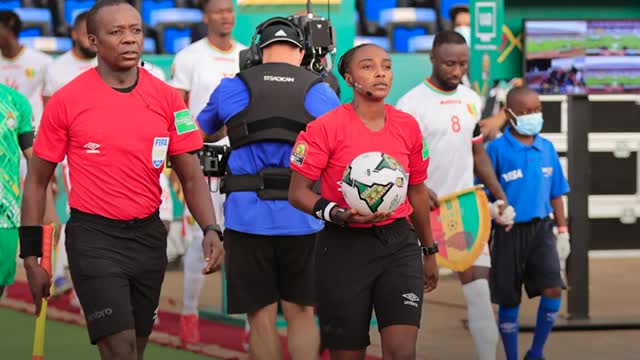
(212, 227)
(30, 241)
(322, 209)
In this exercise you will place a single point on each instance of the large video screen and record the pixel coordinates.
(583, 56)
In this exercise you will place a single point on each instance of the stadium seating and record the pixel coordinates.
(149, 46)
(405, 23)
(446, 5)
(74, 7)
(147, 6)
(35, 22)
(372, 8)
(48, 44)
(10, 4)
(381, 41)
(422, 43)
(173, 27)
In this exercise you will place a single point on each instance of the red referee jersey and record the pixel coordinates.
(332, 141)
(116, 143)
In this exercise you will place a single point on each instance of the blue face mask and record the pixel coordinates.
(527, 125)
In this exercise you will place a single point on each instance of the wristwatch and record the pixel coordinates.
(336, 217)
(212, 227)
(430, 250)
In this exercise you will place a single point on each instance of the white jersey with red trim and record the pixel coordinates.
(25, 73)
(449, 124)
(200, 67)
(64, 69)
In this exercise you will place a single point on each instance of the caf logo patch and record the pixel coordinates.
(299, 153)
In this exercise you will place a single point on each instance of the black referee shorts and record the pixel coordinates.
(524, 255)
(117, 268)
(261, 270)
(360, 270)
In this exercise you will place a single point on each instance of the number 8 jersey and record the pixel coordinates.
(449, 124)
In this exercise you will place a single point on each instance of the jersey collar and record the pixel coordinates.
(436, 89)
(515, 143)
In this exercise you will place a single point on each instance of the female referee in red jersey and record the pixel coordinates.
(116, 124)
(375, 261)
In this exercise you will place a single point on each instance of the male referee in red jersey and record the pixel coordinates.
(116, 124)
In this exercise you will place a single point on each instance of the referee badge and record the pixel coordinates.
(159, 151)
(184, 122)
(299, 153)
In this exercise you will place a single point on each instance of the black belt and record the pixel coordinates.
(269, 184)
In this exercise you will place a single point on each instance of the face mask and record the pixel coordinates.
(528, 125)
(465, 31)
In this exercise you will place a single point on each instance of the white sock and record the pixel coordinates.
(193, 278)
(482, 322)
(61, 256)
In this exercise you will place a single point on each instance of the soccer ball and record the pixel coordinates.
(374, 182)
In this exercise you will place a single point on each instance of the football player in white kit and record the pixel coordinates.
(21, 67)
(196, 72)
(448, 113)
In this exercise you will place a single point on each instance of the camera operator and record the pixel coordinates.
(270, 244)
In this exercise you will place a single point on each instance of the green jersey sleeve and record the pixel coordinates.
(24, 112)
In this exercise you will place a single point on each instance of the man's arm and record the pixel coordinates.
(198, 199)
(194, 187)
(420, 217)
(35, 195)
(558, 212)
(491, 125)
(483, 169)
(184, 95)
(215, 137)
(50, 214)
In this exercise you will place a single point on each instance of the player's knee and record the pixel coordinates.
(400, 351)
(263, 319)
(293, 311)
(120, 346)
(553, 293)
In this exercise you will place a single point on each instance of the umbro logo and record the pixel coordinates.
(281, 33)
(412, 299)
(92, 148)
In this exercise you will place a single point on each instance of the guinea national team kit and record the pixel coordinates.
(64, 69)
(26, 73)
(449, 124)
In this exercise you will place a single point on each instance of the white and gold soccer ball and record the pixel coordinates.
(374, 181)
